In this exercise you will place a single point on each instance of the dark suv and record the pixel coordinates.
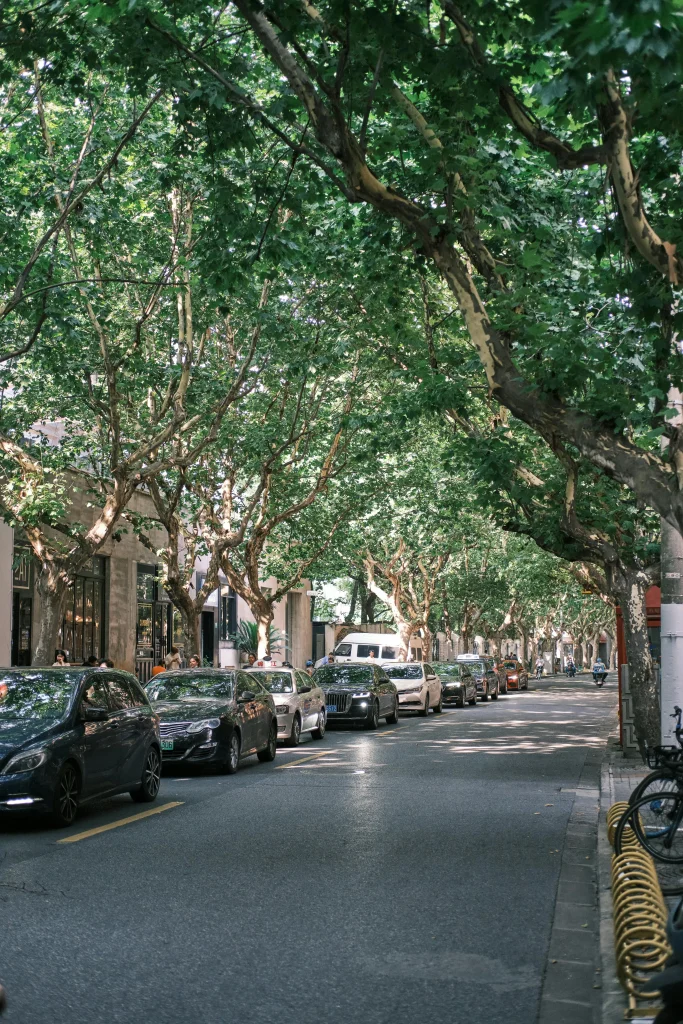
(70, 735)
(357, 693)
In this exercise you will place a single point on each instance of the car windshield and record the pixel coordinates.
(452, 671)
(403, 671)
(275, 682)
(36, 696)
(510, 664)
(476, 666)
(178, 688)
(343, 675)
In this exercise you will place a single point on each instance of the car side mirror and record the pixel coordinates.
(305, 689)
(245, 697)
(91, 714)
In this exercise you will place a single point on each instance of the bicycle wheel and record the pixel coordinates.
(660, 780)
(657, 822)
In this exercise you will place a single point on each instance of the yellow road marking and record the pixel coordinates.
(313, 757)
(388, 732)
(123, 821)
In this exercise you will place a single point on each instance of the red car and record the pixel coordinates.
(517, 675)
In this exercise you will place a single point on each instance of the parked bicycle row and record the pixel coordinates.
(72, 735)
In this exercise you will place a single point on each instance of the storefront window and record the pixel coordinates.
(228, 612)
(82, 632)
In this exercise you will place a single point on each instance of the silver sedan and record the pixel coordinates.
(299, 703)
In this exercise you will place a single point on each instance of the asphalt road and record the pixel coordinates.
(387, 878)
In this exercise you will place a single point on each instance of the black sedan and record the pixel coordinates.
(213, 716)
(357, 693)
(459, 685)
(68, 736)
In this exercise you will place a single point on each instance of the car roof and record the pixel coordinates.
(190, 672)
(471, 657)
(268, 668)
(390, 639)
(72, 670)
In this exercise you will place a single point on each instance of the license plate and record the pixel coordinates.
(167, 744)
(331, 709)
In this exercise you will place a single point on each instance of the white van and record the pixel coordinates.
(357, 647)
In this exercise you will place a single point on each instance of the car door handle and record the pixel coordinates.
(113, 725)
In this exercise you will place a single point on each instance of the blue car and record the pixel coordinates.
(69, 735)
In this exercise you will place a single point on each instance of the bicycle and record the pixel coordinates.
(668, 765)
(655, 812)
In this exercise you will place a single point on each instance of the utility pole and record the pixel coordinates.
(671, 671)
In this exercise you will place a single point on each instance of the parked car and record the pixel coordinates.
(299, 703)
(68, 736)
(517, 675)
(213, 717)
(458, 683)
(383, 646)
(499, 669)
(486, 678)
(357, 693)
(419, 687)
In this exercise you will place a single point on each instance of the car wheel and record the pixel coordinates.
(438, 708)
(392, 719)
(65, 804)
(494, 696)
(151, 778)
(268, 753)
(485, 695)
(232, 763)
(319, 733)
(295, 735)
(423, 712)
(473, 701)
(373, 721)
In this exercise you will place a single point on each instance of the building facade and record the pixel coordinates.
(117, 608)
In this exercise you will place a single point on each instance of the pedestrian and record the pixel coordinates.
(194, 662)
(159, 667)
(539, 666)
(401, 655)
(309, 667)
(91, 662)
(330, 659)
(251, 659)
(106, 663)
(60, 659)
(287, 664)
(372, 654)
(172, 659)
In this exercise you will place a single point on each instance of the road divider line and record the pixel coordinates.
(303, 760)
(122, 821)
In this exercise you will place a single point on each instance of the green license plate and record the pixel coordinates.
(167, 744)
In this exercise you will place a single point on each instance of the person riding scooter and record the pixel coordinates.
(570, 668)
(599, 672)
(540, 664)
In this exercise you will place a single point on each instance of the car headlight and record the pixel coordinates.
(513, 677)
(282, 709)
(25, 762)
(208, 723)
(452, 686)
(365, 693)
(413, 689)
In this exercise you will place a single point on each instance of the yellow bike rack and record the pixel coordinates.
(640, 916)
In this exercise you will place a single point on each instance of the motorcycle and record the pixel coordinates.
(570, 671)
(599, 675)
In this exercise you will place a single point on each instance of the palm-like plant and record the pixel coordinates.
(246, 638)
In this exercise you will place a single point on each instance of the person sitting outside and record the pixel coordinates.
(251, 660)
(172, 659)
(194, 662)
(106, 663)
(159, 667)
(309, 667)
(91, 662)
(60, 659)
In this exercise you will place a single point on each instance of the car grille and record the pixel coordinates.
(172, 728)
(341, 700)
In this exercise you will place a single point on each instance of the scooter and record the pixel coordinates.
(599, 677)
(570, 671)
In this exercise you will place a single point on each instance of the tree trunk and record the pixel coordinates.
(52, 589)
(263, 623)
(354, 601)
(466, 641)
(629, 587)
(405, 632)
(191, 638)
(427, 643)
